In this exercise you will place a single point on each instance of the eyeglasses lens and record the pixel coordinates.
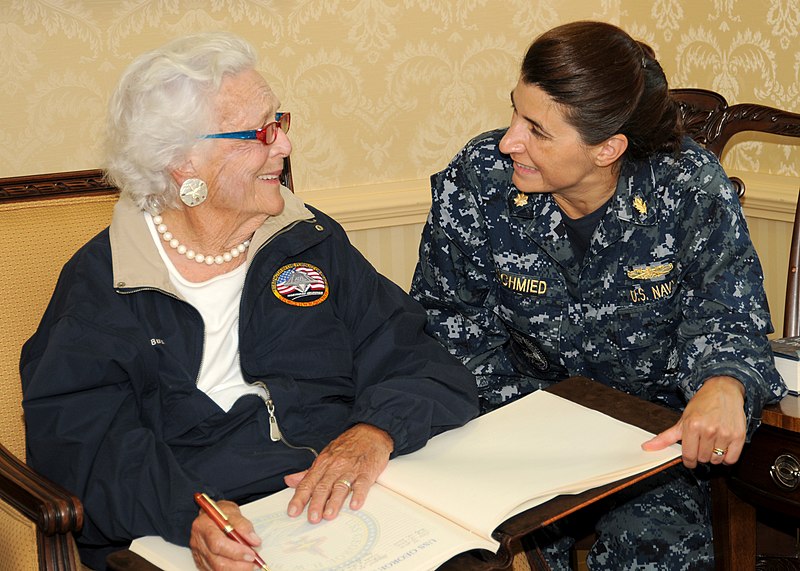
(285, 120)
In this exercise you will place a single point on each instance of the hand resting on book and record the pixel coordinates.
(714, 419)
(357, 457)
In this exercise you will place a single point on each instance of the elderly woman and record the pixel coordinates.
(591, 238)
(220, 336)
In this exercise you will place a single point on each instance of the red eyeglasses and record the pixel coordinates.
(266, 134)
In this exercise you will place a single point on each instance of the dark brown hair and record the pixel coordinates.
(607, 83)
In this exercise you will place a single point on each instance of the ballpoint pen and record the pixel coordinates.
(212, 509)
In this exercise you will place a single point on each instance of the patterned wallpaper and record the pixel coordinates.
(380, 90)
(384, 92)
(749, 51)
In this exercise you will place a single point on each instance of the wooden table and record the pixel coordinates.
(649, 416)
(767, 476)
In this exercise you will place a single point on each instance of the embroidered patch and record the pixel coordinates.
(300, 284)
(522, 284)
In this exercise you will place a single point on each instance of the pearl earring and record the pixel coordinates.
(193, 192)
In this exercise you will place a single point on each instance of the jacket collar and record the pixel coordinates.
(135, 259)
(635, 199)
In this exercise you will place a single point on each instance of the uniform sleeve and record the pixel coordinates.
(455, 281)
(406, 383)
(725, 313)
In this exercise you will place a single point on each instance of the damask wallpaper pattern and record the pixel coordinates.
(384, 92)
(747, 51)
(380, 90)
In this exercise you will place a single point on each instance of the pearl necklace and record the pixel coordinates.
(173, 242)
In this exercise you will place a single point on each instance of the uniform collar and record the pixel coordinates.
(542, 220)
(635, 199)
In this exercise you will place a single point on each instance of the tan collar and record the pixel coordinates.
(135, 258)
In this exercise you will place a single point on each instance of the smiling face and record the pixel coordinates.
(242, 175)
(548, 153)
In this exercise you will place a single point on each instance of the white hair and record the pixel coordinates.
(163, 102)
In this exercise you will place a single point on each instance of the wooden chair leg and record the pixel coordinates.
(579, 551)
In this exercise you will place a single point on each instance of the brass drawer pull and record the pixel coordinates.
(785, 471)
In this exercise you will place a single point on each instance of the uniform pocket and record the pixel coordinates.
(646, 338)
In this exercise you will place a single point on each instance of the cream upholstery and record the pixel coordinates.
(39, 235)
(17, 535)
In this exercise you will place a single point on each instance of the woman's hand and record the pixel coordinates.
(353, 461)
(213, 550)
(714, 420)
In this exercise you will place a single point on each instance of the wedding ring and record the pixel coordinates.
(346, 482)
(719, 451)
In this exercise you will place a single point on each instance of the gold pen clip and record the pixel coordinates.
(214, 505)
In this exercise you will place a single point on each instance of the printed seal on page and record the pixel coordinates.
(300, 284)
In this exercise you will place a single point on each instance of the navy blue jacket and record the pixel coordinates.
(110, 401)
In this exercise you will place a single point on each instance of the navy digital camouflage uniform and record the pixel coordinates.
(668, 294)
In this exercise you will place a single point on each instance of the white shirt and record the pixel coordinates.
(217, 300)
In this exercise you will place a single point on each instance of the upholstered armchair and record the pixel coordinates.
(44, 219)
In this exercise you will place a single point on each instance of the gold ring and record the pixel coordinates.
(346, 482)
(719, 451)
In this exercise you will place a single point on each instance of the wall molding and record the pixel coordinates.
(395, 203)
(769, 196)
(380, 205)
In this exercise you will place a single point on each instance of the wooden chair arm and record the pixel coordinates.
(53, 509)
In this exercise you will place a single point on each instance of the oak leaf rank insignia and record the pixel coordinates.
(521, 199)
(639, 205)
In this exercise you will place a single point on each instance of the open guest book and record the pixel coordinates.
(449, 496)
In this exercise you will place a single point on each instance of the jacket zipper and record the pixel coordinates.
(275, 433)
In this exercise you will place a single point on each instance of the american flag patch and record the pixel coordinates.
(300, 284)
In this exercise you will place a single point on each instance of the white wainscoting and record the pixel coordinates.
(769, 205)
(384, 221)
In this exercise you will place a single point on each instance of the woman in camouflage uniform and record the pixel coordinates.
(592, 238)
